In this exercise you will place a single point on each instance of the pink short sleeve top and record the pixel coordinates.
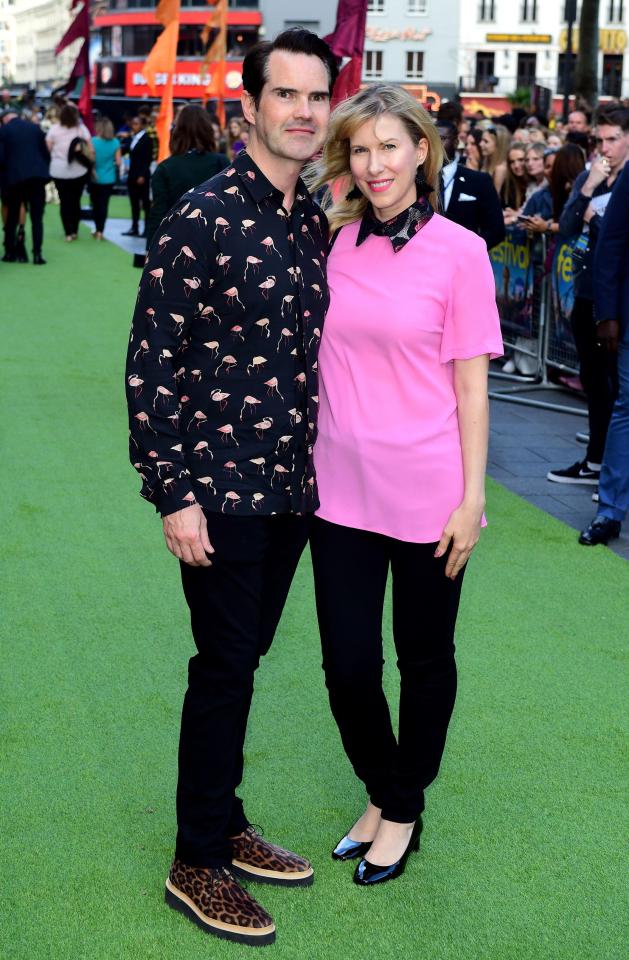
(388, 452)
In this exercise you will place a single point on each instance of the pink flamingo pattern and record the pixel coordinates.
(225, 264)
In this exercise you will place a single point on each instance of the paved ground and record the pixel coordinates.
(525, 442)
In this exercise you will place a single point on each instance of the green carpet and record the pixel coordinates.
(522, 855)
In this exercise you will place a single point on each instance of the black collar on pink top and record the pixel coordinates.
(401, 228)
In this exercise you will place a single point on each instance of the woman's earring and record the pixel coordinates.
(422, 185)
(354, 194)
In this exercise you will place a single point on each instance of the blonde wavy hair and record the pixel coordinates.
(333, 169)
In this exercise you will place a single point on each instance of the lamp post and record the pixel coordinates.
(571, 16)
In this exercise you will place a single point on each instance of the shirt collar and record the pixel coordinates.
(258, 186)
(399, 229)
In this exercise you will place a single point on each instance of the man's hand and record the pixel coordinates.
(140, 181)
(599, 171)
(186, 536)
(607, 334)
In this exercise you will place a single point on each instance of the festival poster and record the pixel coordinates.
(514, 277)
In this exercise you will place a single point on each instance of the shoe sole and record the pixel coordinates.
(275, 877)
(584, 481)
(178, 900)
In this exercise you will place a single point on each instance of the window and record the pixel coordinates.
(376, 6)
(372, 65)
(612, 75)
(561, 66)
(105, 42)
(414, 64)
(527, 63)
(486, 10)
(485, 79)
(528, 11)
(137, 41)
(615, 14)
(417, 8)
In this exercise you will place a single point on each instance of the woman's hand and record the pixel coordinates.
(537, 224)
(463, 531)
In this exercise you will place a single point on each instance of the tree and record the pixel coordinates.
(586, 68)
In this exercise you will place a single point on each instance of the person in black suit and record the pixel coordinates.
(24, 163)
(139, 180)
(468, 197)
(611, 306)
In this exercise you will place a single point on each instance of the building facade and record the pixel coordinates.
(7, 42)
(414, 42)
(278, 15)
(39, 26)
(508, 46)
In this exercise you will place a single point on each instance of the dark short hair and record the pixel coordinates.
(613, 117)
(446, 125)
(69, 116)
(579, 138)
(449, 112)
(295, 40)
(192, 131)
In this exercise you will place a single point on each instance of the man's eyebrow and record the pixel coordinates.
(314, 93)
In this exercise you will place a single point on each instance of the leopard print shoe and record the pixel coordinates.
(213, 899)
(256, 859)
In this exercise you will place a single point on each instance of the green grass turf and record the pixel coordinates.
(522, 852)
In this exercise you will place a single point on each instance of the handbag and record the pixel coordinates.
(79, 151)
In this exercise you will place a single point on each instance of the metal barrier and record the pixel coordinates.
(534, 305)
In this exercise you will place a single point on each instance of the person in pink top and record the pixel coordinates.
(400, 455)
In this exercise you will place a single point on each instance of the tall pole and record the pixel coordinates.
(571, 16)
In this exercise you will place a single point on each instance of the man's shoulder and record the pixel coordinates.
(208, 195)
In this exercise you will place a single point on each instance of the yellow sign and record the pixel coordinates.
(609, 41)
(518, 38)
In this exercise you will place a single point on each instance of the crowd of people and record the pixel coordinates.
(51, 155)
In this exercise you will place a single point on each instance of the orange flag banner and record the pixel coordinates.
(216, 53)
(163, 60)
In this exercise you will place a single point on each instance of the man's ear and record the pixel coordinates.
(248, 104)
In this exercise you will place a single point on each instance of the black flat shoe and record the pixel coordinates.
(600, 530)
(38, 260)
(348, 849)
(131, 233)
(368, 874)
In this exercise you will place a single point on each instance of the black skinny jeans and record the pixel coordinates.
(235, 606)
(350, 571)
(140, 199)
(70, 191)
(598, 370)
(100, 194)
(32, 193)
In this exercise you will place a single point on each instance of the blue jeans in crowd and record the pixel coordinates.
(613, 486)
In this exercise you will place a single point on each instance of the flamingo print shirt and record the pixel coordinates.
(221, 373)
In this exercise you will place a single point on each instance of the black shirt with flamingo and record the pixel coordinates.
(221, 373)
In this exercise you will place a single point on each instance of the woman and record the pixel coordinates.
(472, 153)
(192, 161)
(107, 161)
(69, 174)
(535, 169)
(235, 128)
(494, 146)
(400, 455)
(516, 181)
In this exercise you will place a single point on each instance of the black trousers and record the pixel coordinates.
(598, 370)
(99, 195)
(70, 192)
(140, 199)
(350, 570)
(32, 193)
(235, 606)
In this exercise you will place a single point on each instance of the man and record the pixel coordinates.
(222, 393)
(24, 163)
(582, 218)
(139, 177)
(611, 301)
(468, 197)
(578, 122)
